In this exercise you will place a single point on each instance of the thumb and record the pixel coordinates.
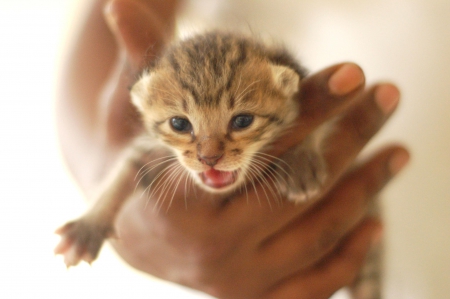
(138, 30)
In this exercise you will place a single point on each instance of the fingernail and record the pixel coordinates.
(387, 97)
(398, 162)
(346, 79)
(108, 12)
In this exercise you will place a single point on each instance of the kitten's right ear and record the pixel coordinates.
(286, 79)
(139, 91)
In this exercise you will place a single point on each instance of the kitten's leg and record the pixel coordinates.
(368, 284)
(304, 167)
(81, 239)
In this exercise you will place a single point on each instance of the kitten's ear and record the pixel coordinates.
(139, 91)
(286, 79)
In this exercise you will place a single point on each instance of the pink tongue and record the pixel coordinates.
(217, 178)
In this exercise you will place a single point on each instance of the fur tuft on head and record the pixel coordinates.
(140, 91)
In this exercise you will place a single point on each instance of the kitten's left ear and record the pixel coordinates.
(139, 91)
(286, 79)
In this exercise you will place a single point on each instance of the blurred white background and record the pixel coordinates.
(36, 194)
(407, 42)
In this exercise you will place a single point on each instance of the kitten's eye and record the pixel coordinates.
(180, 124)
(242, 121)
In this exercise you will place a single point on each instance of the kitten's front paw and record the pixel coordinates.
(81, 240)
(307, 175)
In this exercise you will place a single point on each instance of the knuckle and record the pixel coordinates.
(371, 182)
(324, 242)
(364, 122)
(364, 126)
(329, 237)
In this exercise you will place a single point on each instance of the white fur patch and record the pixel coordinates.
(286, 79)
(139, 91)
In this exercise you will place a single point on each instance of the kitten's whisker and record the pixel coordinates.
(174, 179)
(265, 175)
(153, 56)
(175, 88)
(239, 85)
(259, 174)
(249, 178)
(147, 171)
(165, 159)
(255, 177)
(180, 172)
(279, 174)
(163, 187)
(241, 95)
(191, 186)
(246, 192)
(271, 171)
(270, 162)
(166, 92)
(268, 173)
(254, 107)
(186, 187)
(171, 95)
(271, 158)
(276, 184)
(163, 173)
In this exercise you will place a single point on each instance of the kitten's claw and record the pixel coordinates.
(307, 175)
(81, 240)
(304, 195)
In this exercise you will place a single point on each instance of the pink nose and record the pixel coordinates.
(210, 160)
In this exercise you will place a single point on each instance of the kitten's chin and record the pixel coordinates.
(218, 180)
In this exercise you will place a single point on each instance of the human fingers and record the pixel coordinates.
(363, 119)
(310, 237)
(140, 33)
(322, 95)
(338, 270)
(352, 131)
(141, 27)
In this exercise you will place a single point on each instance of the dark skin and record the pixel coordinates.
(247, 246)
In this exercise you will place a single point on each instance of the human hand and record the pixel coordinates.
(244, 248)
(250, 247)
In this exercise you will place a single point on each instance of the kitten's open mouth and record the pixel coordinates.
(218, 179)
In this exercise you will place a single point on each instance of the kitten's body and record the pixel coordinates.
(216, 102)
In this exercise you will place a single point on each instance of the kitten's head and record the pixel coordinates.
(217, 101)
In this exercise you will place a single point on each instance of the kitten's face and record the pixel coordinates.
(216, 126)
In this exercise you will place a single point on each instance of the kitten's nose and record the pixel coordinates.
(211, 160)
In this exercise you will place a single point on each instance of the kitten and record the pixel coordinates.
(217, 101)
